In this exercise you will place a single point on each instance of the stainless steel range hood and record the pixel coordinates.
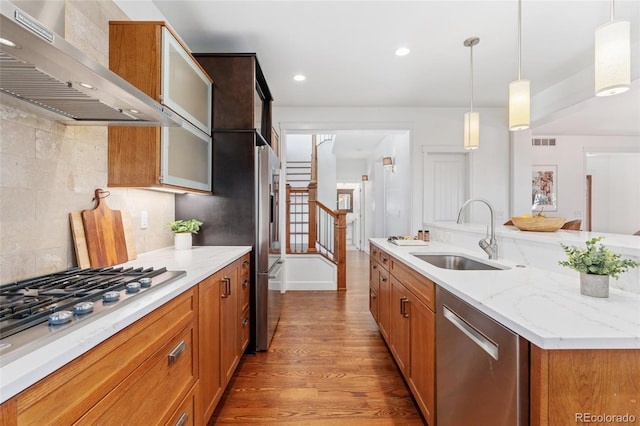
(44, 69)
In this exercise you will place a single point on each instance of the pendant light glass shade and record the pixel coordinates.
(519, 104)
(613, 58)
(471, 130)
(471, 119)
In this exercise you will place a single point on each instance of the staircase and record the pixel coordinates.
(298, 180)
(313, 228)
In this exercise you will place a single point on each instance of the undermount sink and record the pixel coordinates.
(457, 262)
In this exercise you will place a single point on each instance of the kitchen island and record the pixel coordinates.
(544, 307)
(170, 309)
(584, 353)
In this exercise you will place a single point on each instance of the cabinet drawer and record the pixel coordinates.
(186, 412)
(373, 302)
(65, 395)
(245, 266)
(245, 326)
(422, 287)
(151, 394)
(244, 293)
(383, 259)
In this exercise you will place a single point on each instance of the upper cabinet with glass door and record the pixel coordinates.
(152, 58)
(186, 89)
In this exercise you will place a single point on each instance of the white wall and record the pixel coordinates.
(396, 185)
(615, 192)
(428, 127)
(327, 193)
(350, 169)
(298, 147)
(569, 156)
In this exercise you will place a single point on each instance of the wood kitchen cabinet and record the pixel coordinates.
(170, 367)
(224, 322)
(412, 336)
(241, 96)
(406, 317)
(574, 386)
(211, 384)
(400, 330)
(142, 375)
(152, 58)
(380, 273)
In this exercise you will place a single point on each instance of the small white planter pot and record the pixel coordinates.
(182, 240)
(594, 285)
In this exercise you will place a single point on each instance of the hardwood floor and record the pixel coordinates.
(327, 365)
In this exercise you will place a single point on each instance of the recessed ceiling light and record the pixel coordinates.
(299, 77)
(402, 51)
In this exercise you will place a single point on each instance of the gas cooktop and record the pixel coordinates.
(35, 309)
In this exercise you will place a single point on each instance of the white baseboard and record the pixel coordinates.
(311, 286)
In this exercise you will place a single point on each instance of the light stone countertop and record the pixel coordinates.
(544, 307)
(25, 366)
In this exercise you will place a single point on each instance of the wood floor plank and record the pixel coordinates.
(327, 365)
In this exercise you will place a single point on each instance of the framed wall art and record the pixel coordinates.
(544, 188)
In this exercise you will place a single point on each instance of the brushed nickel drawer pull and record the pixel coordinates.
(384, 259)
(176, 352)
(245, 283)
(245, 321)
(373, 295)
(183, 419)
(383, 278)
(245, 263)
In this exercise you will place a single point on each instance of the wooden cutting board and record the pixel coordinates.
(80, 242)
(104, 233)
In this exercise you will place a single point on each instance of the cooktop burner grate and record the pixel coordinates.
(72, 295)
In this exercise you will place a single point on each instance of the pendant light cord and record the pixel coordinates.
(612, 10)
(471, 73)
(520, 37)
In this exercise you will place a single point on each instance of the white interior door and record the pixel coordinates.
(444, 185)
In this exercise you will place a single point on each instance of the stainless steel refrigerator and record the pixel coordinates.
(244, 210)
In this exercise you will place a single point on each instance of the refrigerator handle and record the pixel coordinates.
(275, 269)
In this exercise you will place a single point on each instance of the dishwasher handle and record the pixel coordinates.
(471, 332)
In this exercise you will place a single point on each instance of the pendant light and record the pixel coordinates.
(519, 90)
(471, 119)
(613, 57)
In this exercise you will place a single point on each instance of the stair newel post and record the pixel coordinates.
(341, 248)
(288, 216)
(313, 225)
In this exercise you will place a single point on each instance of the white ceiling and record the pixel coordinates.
(346, 48)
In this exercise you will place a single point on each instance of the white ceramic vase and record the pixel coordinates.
(594, 285)
(182, 240)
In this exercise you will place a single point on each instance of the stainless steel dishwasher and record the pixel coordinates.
(482, 368)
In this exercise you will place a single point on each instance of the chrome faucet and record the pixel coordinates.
(491, 246)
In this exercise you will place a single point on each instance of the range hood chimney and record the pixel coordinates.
(38, 66)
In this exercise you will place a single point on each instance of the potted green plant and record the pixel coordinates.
(596, 264)
(183, 231)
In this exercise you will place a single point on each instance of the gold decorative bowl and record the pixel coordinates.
(538, 223)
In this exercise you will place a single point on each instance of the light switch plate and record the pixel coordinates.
(144, 220)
